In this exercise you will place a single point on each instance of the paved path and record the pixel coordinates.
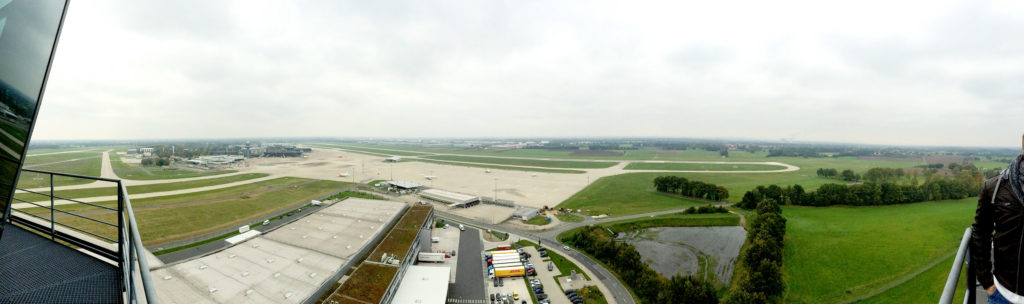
(612, 286)
(469, 276)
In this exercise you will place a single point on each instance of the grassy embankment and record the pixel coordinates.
(138, 172)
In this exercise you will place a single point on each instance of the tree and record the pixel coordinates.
(724, 151)
(849, 175)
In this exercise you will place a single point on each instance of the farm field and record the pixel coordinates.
(525, 162)
(140, 189)
(837, 253)
(702, 167)
(486, 166)
(177, 217)
(136, 172)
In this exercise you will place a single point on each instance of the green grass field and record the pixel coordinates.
(78, 163)
(927, 286)
(499, 167)
(538, 220)
(525, 162)
(838, 253)
(136, 172)
(161, 219)
(624, 194)
(701, 167)
(140, 189)
(675, 220)
(569, 217)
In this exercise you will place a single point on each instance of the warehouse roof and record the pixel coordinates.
(448, 197)
(423, 285)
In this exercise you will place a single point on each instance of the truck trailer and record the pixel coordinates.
(431, 257)
(509, 272)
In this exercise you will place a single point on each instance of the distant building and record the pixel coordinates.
(525, 213)
(403, 185)
(393, 159)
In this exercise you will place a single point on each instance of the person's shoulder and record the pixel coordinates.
(991, 182)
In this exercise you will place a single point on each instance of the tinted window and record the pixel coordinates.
(28, 29)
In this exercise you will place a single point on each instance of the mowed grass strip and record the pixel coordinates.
(487, 166)
(140, 189)
(702, 167)
(179, 217)
(525, 162)
(377, 151)
(137, 172)
(84, 164)
(834, 254)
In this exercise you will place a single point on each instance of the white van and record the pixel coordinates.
(461, 227)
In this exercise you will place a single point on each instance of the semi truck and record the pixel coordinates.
(431, 257)
(509, 272)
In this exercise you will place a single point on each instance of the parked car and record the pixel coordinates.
(501, 282)
(461, 227)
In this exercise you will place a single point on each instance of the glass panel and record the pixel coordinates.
(28, 29)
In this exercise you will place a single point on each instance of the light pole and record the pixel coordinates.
(495, 189)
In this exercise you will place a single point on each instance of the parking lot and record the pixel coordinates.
(448, 241)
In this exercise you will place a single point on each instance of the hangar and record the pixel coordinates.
(451, 198)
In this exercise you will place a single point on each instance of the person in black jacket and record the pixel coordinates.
(998, 235)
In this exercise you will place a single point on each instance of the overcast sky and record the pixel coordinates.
(883, 72)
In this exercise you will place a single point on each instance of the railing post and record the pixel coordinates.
(120, 229)
(971, 280)
(53, 220)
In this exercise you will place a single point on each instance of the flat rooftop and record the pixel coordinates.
(424, 285)
(286, 265)
(448, 197)
(404, 184)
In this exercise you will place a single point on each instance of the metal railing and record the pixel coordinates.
(118, 242)
(963, 256)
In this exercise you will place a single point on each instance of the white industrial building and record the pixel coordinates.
(291, 264)
(451, 198)
(424, 285)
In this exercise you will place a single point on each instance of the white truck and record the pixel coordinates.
(431, 257)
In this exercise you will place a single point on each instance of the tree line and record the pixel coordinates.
(696, 189)
(846, 175)
(648, 285)
(963, 183)
(762, 259)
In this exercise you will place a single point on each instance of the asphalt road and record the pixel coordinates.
(469, 276)
(618, 290)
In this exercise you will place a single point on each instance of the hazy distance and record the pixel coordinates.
(878, 72)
